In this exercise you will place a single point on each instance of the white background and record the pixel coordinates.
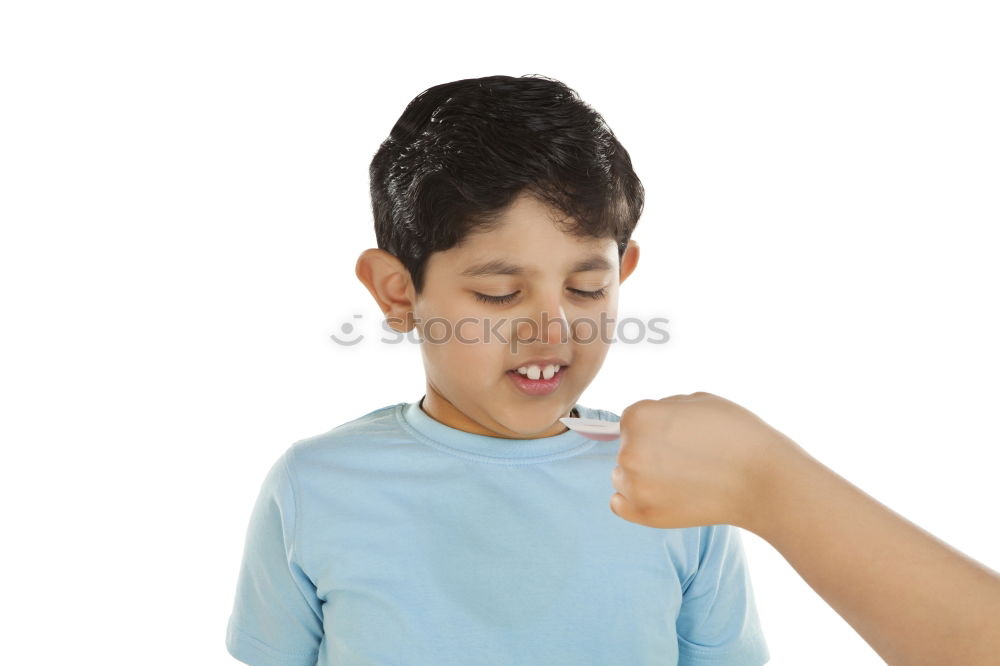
(184, 196)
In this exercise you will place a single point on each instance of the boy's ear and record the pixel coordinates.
(389, 283)
(629, 259)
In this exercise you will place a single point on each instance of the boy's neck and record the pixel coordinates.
(451, 417)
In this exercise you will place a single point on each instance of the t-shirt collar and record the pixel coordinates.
(457, 441)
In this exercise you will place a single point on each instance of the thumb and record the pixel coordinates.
(624, 509)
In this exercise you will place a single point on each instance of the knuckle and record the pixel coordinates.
(618, 477)
(627, 459)
(637, 409)
(631, 409)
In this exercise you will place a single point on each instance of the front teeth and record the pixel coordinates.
(534, 371)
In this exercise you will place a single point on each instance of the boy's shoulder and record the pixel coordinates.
(378, 424)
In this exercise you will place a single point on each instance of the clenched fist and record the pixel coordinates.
(696, 459)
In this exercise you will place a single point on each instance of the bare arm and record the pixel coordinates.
(700, 459)
(913, 598)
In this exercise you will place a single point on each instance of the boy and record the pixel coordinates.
(470, 526)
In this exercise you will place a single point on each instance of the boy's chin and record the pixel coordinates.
(533, 420)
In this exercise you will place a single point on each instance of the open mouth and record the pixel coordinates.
(533, 380)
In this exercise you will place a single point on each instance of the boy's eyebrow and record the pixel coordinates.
(595, 262)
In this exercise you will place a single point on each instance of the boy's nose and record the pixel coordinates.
(548, 326)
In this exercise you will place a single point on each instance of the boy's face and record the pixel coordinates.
(472, 349)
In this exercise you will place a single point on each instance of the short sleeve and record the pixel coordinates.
(277, 617)
(718, 622)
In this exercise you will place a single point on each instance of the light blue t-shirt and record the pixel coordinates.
(395, 540)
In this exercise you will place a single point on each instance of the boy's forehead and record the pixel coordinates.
(512, 265)
(529, 235)
(522, 236)
(497, 259)
(527, 219)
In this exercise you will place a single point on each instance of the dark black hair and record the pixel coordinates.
(461, 152)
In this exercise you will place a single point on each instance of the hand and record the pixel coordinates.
(695, 459)
(699, 459)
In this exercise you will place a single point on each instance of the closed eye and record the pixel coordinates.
(590, 294)
(507, 298)
(496, 299)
